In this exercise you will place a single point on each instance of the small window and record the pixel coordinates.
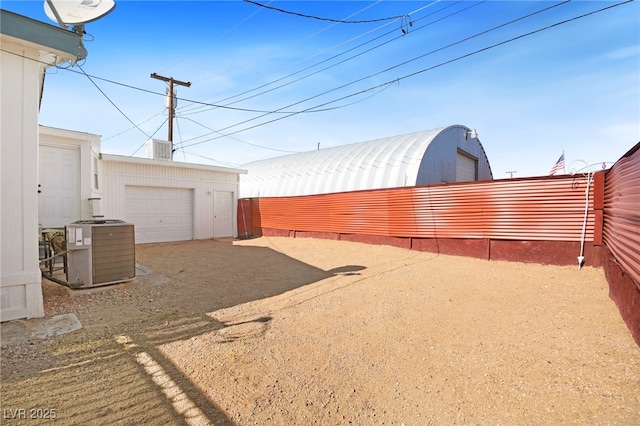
(95, 174)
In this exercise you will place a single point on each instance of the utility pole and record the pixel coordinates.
(511, 172)
(172, 111)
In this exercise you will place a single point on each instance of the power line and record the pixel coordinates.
(134, 127)
(381, 89)
(389, 69)
(230, 30)
(340, 21)
(336, 56)
(258, 59)
(397, 80)
(239, 140)
(112, 103)
(210, 159)
(164, 94)
(150, 137)
(266, 112)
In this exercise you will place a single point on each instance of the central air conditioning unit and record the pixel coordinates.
(100, 252)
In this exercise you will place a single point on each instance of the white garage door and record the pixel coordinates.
(466, 167)
(160, 214)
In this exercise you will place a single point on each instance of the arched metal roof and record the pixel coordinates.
(382, 163)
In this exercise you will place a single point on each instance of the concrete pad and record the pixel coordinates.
(18, 331)
(90, 290)
(55, 326)
(13, 333)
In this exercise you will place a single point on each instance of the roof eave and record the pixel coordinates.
(167, 163)
(67, 45)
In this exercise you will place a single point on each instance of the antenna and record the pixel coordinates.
(77, 12)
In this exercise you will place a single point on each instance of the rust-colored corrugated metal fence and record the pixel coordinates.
(546, 219)
(538, 209)
(622, 213)
(621, 235)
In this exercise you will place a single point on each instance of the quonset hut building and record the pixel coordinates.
(444, 155)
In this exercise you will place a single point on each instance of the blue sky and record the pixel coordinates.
(266, 82)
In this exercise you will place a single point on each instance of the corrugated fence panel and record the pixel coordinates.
(621, 231)
(547, 209)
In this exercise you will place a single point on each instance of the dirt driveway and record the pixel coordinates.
(277, 331)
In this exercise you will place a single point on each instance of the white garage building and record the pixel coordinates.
(170, 201)
(165, 200)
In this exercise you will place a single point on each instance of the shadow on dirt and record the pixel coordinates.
(113, 370)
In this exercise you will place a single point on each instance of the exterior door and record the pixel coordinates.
(222, 214)
(59, 179)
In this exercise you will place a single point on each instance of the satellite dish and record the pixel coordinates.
(77, 12)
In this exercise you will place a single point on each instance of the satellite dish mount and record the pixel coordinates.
(77, 12)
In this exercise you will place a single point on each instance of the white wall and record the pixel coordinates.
(120, 171)
(20, 291)
(88, 147)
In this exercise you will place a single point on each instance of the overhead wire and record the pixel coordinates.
(164, 94)
(441, 64)
(230, 30)
(340, 21)
(278, 112)
(239, 140)
(150, 137)
(281, 150)
(91, 78)
(187, 109)
(297, 41)
(276, 149)
(192, 111)
(176, 148)
(160, 94)
(389, 68)
(211, 159)
(111, 102)
(131, 128)
(372, 88)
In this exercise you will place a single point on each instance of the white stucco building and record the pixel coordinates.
(28, 48)
(169, 200)
(165, 200)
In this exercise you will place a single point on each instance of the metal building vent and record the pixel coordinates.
(158, 149)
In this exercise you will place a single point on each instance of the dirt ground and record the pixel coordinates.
(279, 331)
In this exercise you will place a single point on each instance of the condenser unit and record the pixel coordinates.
(100, 252)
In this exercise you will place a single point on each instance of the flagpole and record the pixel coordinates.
(564, 165)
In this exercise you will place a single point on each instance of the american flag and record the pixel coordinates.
(558, 166)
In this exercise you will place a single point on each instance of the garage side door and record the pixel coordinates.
(222, 214)
(159, 214)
